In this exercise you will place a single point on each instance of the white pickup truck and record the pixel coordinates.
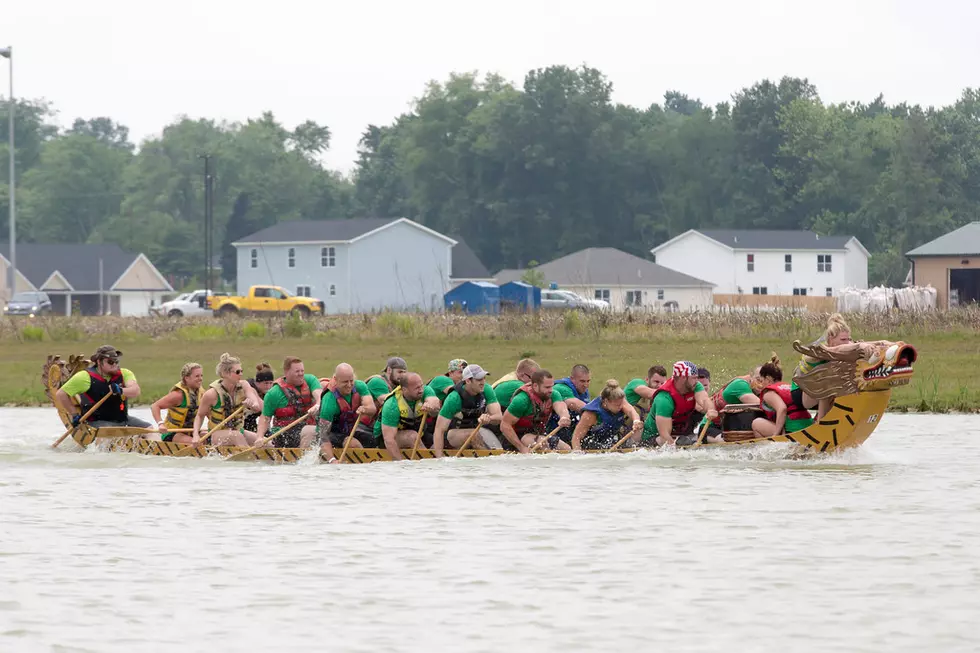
(188, 304)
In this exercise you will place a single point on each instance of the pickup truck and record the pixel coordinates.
(566, 299)
(266, 299)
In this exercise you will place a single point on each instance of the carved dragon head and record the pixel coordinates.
(56, 371)
(856, 367)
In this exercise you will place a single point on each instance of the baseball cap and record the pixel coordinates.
(396, 363)
(703, 373)
(474, 372)
(106, 351)
(685, 368)
(457, 364)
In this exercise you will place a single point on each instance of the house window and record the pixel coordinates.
(823, 263)
(634, 297)
(750, 262)
(830, 292)
(660, 294)
(328, 257)
(602, 293)
(255, 258)
(302, 291)
(292, 257)
(799, 292)
(760, 290)
(333, 290)
(788, 265)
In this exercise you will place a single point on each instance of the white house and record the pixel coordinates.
(767, 262)
(360, 265)
(96, 278)
(623, 280)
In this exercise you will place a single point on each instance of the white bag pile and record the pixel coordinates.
(882, 299)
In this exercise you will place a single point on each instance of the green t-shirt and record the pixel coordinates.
(80, 382)
(630, 391)
(564, 391)
(521, 405)
(454, 403)
(390, 415)
(275, 398)
(330, 410)
(378, 387)
(442, 386)
(734, 391)
(505, 392)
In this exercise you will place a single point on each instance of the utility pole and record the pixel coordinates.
(8, 53)
(208, 220)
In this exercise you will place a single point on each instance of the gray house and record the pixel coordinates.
(96, 279)
(361, 265)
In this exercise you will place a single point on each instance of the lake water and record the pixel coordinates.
(876, 549)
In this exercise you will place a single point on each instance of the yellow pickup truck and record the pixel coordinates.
(265, 299)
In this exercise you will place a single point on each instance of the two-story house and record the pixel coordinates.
(354, 266)
(767, 262)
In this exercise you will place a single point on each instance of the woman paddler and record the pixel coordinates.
(181, 404)
(222, 398)
(783, 414)
(262, 383)
(837, 333)
(605, 420)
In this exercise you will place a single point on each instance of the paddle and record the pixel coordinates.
(84, 419)
(546, 438)
(466, 442)
(188, 449)
(343, 453)
(625, 438)
(704, 429)
(418, 439)
(242, 455)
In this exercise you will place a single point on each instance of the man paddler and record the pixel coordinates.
(443, 384)
(472, 403)
(381, 385)
(402, 412)
(295, 393)
(530, 410)
(104, 377)
(674, 404)
(639, 392)
(574, 391)
(508, 384)
(347, 402)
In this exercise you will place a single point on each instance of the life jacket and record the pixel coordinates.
(348, 412)
(226, 405)
(581, 396)
(506, 377)
(719, 400)
(683, 407)
(606, 422)
(409, 418)
(785, 392)
(541, 415)
(472, 408)
(110, 410)
(182, 416)
(300, 400)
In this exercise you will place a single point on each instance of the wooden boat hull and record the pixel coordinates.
(848, 424)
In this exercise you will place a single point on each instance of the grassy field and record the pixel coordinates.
(619, 347)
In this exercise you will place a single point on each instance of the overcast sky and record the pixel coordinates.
(348, 64)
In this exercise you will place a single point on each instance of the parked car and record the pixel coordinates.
(266, 299)
(189, 304)
(566, 299)
(28, 303)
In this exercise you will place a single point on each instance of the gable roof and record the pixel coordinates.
(466, 264)
(762, 239)
(327, 231)
(964, 241)
(606, 266)
(78, 263)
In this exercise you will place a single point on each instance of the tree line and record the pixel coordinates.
(522, 173)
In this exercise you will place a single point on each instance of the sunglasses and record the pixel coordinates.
(236, 371)
(111, 361)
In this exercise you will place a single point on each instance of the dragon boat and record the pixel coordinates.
(860, 376)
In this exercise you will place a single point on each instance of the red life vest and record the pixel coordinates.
(785, 392)
(300, 400)
(98, 387)
(683, 407)
(719, 400)
(348, 412)
(541, 415)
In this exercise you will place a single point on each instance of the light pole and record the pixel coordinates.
(8, 52)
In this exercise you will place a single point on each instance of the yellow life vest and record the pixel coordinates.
(226, 405)
(409, 418)
(506, 377)
(182, 417)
